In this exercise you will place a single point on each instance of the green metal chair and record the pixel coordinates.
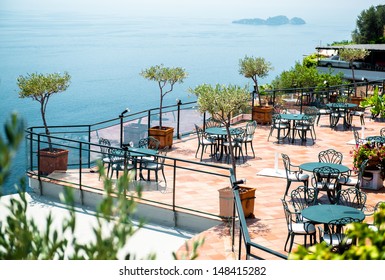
(351, 197)
(249, 136)
(293, 173)
(295, 227)
(331, 156)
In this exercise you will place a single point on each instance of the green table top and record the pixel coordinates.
(292, 117)
(342, 105)
(325, 213)
(221, 131)
(140, 152)
(310, 166)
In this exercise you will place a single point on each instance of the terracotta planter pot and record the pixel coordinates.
(226, 201)
(50, 161)
(262, 114)
(356, 100)
(164, 135)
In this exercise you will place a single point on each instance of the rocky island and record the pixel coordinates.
(277, 20)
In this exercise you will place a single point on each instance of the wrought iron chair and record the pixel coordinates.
(120, 161)
(382, 131)
(357, 138)
(149, 143)
(333, 234)
(295, 227)
(314, 112)
(326, 179)
(249, 136)
(351, 197)
(212, 122)
(280, 126)
(305, 125)
(302, 197)
(293, 173)
(105, 146)
(374, 225)
(204, 141)
(156, 165)
(357, 112)
(331, 156)
(354, 180)
(236, 142)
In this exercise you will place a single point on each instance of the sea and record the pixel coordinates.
(105, 54)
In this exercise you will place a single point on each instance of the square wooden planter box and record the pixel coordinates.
(49, 161)
(226, 201)
(164, 135)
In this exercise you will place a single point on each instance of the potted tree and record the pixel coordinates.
(254, 67)
(350, 55)
(166, 77)
(40, 87)
(222, 102)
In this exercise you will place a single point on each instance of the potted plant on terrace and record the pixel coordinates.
(40, 87)
(254, 67)
(165, 77)
(222, 102)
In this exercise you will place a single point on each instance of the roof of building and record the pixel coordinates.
(370, 47)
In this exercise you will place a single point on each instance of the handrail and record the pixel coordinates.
(244, 233)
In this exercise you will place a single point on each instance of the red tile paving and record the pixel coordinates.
(268, 228)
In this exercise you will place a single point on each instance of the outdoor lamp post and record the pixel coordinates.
(366, 81)
(121, 126)
(178, 103)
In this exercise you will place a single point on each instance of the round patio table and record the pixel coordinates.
(221, 133)
(338, 110)
(324, 213)
(310, 166)
(293, 118)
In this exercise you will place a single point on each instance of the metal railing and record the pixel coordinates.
(244, 240)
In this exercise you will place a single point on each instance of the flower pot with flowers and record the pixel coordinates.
(374, 152)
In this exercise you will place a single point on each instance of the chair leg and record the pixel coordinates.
(287, 187)
(196, 154)
(287, 239)
(291, 242)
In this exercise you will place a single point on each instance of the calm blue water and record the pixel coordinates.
(104, 56)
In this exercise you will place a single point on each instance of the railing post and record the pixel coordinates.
(80, 173)
(149, 120)
(89, 147)
(179, 102)
(38, 164)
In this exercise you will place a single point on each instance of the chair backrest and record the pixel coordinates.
(149, 143)
(303, 197)
(200, 133)
(357, 137)
(286, 163)
(105, 145)
(382, 131)
(330, 156)
(351, 197)
(250, 128)
(335, 227)
(288, 214)
(311, 111)
(326, 177)
(211, 122)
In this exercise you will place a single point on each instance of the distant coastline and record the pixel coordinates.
(277, 20)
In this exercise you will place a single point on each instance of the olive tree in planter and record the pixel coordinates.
(222, 102)
(40, 87)
(350, 55)
(254, 67)
(166, 77)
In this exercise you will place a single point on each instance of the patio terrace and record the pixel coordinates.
(197, 193)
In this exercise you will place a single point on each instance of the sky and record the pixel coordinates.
(235, 9)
